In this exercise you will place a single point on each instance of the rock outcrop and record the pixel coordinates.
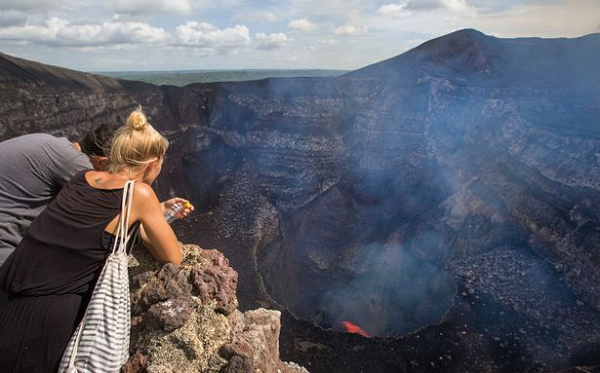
(185, 319)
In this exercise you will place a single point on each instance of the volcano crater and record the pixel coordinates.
(348, 258)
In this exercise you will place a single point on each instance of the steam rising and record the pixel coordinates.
(394, 293)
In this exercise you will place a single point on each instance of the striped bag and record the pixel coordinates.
(101, 341)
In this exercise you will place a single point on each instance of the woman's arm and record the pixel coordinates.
(157, 234)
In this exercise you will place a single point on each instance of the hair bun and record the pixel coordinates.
(137, 120)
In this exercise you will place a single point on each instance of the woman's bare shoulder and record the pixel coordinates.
(143, 191)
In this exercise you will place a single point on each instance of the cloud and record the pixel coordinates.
(258, 17)
(152, 7)
(112, 33)
(302, 24)
(205, 35)
(425, 4)
(460, 6)
(37, 34)
(12, 18)
(541, 19)
(329, 41)
(352, 30)
(59, 32)
(414, 6)
(271, 41)
(390, 10)
(30, 5)
(332, 9)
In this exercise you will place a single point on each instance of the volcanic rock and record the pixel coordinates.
(219, 282)
(169, 315)
(238, 364)
(175, 330)
(169, 282)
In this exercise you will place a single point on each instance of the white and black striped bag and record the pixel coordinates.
(101, 341)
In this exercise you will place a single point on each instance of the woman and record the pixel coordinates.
(45, 285)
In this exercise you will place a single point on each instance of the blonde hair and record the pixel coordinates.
(136, 143)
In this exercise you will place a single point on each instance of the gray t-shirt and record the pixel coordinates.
(33, 169)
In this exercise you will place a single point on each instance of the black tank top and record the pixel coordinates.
(63, 251)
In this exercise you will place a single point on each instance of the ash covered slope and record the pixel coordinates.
(43, 98)
(20, 71)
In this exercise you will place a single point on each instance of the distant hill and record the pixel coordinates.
(489, 61)
(184, 77)
(14, 70)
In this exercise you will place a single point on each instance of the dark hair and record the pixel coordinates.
(97, 141)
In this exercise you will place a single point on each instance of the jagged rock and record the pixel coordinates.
(169, 282)
(136, 364)
(219, 281)
(238, 364)
(176, 328)
(169, 315)
(295, 367)
(262, 332)
(238, 346)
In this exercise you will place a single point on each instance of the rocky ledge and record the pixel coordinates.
(185, 319)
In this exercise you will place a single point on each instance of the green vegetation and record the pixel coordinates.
(185, 77)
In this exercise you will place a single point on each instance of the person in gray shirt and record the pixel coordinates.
(33, 169)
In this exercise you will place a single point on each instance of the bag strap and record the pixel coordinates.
(121, 235)
(119, 246)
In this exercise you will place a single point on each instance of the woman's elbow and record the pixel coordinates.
(176, 261)
(162, 257)
(170, 261)
(173, 257)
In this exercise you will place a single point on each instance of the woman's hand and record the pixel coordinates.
(187, 206)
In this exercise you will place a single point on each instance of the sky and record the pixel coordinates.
(118, 35)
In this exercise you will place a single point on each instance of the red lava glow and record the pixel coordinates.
(351, 328)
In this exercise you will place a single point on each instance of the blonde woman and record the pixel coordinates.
(45, 285)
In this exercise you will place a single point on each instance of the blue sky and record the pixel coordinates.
(97, 35)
